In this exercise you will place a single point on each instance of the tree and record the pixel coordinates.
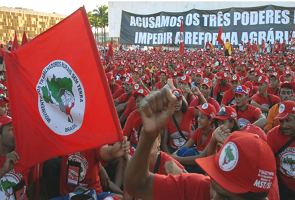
(94, 23)
(101, 13)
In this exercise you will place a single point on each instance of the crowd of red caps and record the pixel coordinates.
(267, 81)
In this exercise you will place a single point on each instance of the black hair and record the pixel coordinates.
(254, 195)
(2, 127)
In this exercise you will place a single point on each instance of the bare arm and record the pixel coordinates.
(156, 108)
(261, 121)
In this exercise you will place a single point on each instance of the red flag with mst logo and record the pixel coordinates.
(59, 96)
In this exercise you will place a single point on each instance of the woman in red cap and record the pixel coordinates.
(179, 127)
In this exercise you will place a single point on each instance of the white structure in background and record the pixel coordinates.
(116, 7)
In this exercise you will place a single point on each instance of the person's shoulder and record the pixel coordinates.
(273, 133)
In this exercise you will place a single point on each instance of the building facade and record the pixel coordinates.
(21, 19)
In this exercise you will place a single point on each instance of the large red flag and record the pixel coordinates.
(181, 30)
(15, 42)
(219, 39)
(59, 96)
(24, 39)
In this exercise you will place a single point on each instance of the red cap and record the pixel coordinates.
(224, 75)
(286, 108)
(129, 80)
(244, 164)
(251, 128)
(140, 92)
(207, 82)
(287, 84)
(242, 89)
(262, 79)
(235, 78)
(207, 109)
(185, 79)
(226, 112)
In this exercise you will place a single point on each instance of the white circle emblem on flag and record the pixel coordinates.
(61, 98)
(229, 157)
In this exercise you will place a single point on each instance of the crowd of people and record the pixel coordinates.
(207, 124)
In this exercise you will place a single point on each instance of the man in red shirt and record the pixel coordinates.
(247, 113)
(274, 85)
(221, 86)
(282, 141)
(262, 99)
(234, 172)
(229, 96)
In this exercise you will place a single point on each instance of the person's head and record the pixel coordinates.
(227, 116)
(263, 84)
(244, 168)
(206, 115)
(288, 76)
(208, 69)
(206, 87)
(286, 91)
(128, 84)
(274, 81)
(7, 137)
(163, 76)
(3, 108)
(184, 82)
(180, 105)
(251, 74)
(235, 81)
(286, 117)
(198, 78)
(241, 95)
(139, 94)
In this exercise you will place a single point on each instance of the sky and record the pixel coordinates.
(64, 7)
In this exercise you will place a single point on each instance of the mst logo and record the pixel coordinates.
(61, 98)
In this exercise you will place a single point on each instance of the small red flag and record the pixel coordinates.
(59, 95)
(15, 42)
(181, 30)
(110, 52)
(24, 39)
(219, 39)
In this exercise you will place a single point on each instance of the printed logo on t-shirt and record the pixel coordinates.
(205, 106)
(229, 157)
(61, 98)
(287, 162)
(7, 182)
(177, 139)
(77, 157)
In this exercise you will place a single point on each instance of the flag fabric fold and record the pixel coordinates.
(59, 96)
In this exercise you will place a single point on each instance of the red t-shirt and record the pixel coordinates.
(159, 85)
(181, 187)
(114, 88)
(285, 160)
(270, 100)
(89, 161)
(228, 98)
(195, 102)
(132, 125)
(250, 115)
(166, 158)
(273, 91)
(118, 93)
(131, 106)
(175, 139)
(123, 98)
(220, 88)
(197, 137)
(210, 76)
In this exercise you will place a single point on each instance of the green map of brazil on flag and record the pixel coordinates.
(59, 97)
